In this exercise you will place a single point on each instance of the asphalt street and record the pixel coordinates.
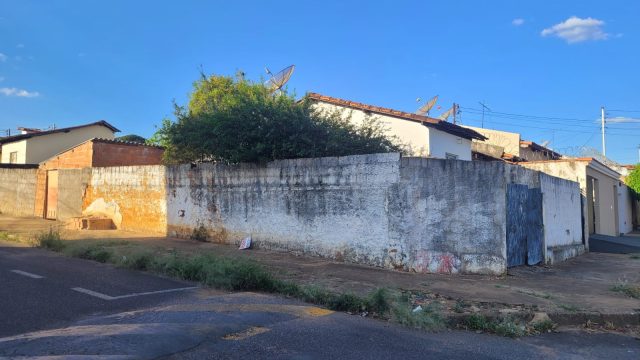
(57, 307)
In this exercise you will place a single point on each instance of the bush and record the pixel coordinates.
(429, 318)
(92, 252)
(50, 240)
(479, 322)
(509, 328)
(235, 120)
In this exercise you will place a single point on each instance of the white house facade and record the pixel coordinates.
(424, 136)
(34, 147)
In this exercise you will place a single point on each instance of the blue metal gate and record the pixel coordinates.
(524, 225)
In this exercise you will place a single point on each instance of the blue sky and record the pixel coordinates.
(71, 62)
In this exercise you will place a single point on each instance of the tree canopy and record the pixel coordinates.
(132, 138)
(633, 180)
(235, 120)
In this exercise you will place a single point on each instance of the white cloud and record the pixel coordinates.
(3, 57)
(622, 119)
(575, 29)
(18, 92)
(517, 22)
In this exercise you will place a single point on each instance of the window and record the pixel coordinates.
(450, 156)
(13, 157)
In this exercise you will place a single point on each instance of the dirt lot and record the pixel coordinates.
(580, 285)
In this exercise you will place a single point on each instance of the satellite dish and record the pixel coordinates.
(446, 114)
(277, 81)
(545, 143)
(424, 109)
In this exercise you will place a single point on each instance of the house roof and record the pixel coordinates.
(537, 147)
(10, 139)
(425, 120)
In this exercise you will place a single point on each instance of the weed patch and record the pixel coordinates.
(629, 290)
(428, 318)
(50, 240)
(569, 307)
(91, 252)
(509, 328)
(635, 256)
(544, 326)
(200, 233)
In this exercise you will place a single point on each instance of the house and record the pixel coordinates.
(607, 203)
(94, 152)
(34, 146)
(425, 136)
(508, 146)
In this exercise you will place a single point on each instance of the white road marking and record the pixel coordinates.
(24, 273)
(109, 298)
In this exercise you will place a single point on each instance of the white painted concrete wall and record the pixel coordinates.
(625, 203)
(376, 209)
(508, 140)
(422, 141)
(20, 147)
(441, 143)
(561, 211)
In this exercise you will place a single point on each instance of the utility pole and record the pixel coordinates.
(483, 107)
(604, 145)
(455, 112)
(638, 154)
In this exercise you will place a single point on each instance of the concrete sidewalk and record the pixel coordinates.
(627, 244)
(576, 287)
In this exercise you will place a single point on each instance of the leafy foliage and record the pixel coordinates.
(132, 138)
(235, 120)
(633, 181)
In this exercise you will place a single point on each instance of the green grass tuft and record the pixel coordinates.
(509, 328)
(629, 290)
(429, 318)
(50, 240)
(544, 326)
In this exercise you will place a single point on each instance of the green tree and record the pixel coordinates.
(132, 138)
(633, 181)
(236, 120)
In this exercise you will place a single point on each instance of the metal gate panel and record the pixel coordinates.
(524, 226)
(516, 232)
(534, 224)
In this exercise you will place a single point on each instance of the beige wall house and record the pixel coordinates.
(34, 146)
(513, 147)
(425, 136)
(607, 204)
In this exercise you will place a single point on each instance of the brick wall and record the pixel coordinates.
(112, 154)
(76, 158)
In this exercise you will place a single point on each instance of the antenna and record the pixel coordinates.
(277, 81)
(483, 108)
(545, 143)
(447, 113)
(424, 109)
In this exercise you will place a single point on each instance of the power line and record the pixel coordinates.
(631, 111)
(528, 116)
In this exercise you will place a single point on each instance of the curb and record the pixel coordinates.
(561, 319)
